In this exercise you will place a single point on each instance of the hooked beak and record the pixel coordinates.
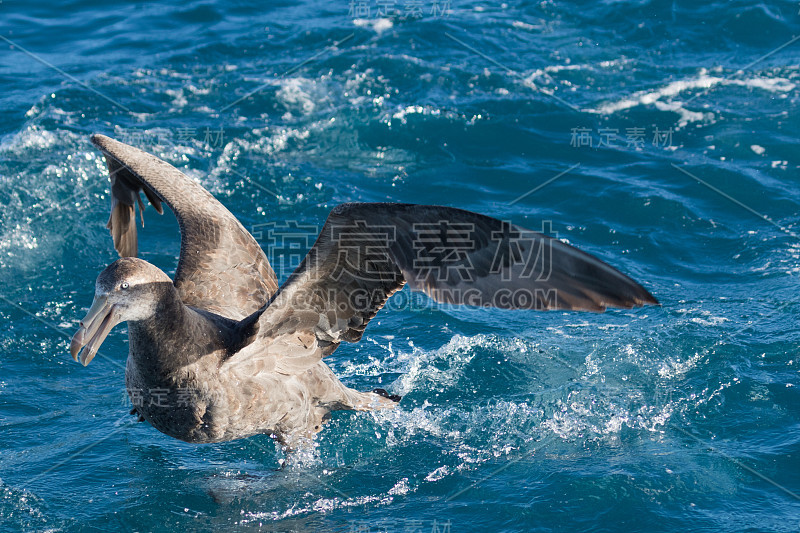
(94, 329)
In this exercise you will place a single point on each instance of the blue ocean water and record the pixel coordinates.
(660, 136)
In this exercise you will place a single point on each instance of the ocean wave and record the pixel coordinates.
(664, 98)
(23, 511)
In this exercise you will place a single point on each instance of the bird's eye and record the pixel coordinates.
(124, 285)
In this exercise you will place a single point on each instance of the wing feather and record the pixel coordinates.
(221, 267)
(366, 252)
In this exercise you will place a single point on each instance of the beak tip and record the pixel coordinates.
(77, 343)
(93, 330)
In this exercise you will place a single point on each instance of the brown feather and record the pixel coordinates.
(122, 225)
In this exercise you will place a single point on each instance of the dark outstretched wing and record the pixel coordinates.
(366, 252)
(221, 268)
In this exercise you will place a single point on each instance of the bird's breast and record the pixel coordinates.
(183, 404)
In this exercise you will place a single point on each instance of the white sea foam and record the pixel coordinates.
(510, 423)
(178, 98)
(663, 97)
(32, 137)
(378, 25)
(21, 510)
(543, 76)
(325, 505)
(439, 473)
(296, 95)
(426, 110)
(266, 143)
(53, 178)
(676, 367)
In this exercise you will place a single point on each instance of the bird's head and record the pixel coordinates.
(128, 289)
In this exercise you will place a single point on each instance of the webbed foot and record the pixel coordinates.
(382, 392)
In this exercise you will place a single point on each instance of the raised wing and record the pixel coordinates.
(221, 267)
(366, 252)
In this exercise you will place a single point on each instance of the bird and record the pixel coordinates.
(222, 351)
